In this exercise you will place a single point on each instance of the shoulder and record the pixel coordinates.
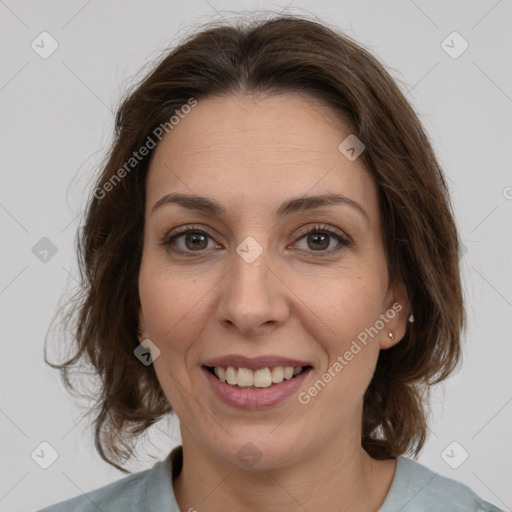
(145, 491)
(416, 488)
(117, 496)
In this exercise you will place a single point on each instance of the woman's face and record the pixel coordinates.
(249, 292)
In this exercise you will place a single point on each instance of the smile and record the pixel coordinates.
(245, 378)
(255, 383)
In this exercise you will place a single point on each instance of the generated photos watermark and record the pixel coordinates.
(143, 151)
(343, 360)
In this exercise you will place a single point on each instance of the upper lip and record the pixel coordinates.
(254, 363)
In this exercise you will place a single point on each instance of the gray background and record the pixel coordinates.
(56, 122)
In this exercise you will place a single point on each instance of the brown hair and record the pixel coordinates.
(283, 53)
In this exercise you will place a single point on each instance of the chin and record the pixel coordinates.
(255, 449)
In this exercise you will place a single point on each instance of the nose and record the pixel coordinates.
(253, 296)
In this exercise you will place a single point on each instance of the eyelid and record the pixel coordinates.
(343, 239)
(323, 228)
(186, 228)
(182, 230)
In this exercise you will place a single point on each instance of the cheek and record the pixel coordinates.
(347, 310)
(171, 303)
(343, 306)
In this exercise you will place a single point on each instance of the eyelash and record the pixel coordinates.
(317, 229)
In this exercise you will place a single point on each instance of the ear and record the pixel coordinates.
(397, 308)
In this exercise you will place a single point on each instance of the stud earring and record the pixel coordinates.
(391, 335)
(139, 332)
(411, 318)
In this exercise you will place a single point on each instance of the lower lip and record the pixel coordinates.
(255, 398)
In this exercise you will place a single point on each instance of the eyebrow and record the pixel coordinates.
(295, 205)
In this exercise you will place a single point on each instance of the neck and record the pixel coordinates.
(332, 478)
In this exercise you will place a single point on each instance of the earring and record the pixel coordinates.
(139, 332)
(391, 335)
(411, 318)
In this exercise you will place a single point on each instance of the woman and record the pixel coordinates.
(270, 250)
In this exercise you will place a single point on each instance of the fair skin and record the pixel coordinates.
(251, 154)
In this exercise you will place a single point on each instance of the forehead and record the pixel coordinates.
(253, 149)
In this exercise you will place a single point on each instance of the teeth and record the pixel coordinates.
(231, 375)
(262, 378)
(288, 372)
(245, 377)
(221, 373)
(277, 374)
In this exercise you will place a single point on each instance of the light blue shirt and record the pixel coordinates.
(415, 488)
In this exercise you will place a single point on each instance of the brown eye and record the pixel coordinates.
(188, 240)
(195, 241)
(319, 239)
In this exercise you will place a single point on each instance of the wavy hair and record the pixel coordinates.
(273, 55)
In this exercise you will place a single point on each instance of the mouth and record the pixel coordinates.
(247, 378)
(255, 382)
